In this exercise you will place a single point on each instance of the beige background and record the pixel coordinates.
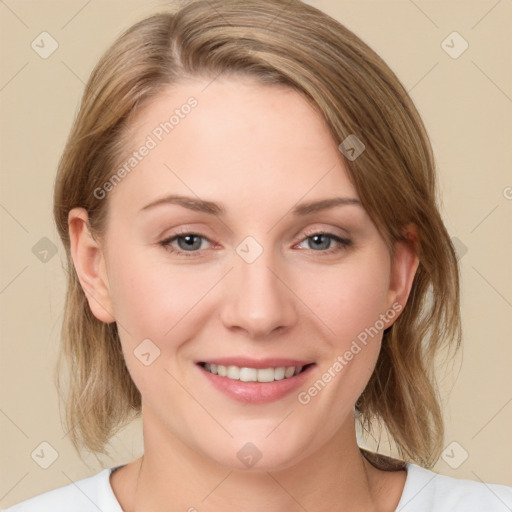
(466, 104)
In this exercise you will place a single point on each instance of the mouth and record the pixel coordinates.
(252, 374)
(255, 381)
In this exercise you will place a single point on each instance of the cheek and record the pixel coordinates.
(350, 297)
(150, 297)
(350, 300)
(153, 305)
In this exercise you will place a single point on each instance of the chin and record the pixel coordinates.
(257, 456)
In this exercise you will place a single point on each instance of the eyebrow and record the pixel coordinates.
(216, 209)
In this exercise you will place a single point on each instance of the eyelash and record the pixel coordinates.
(166, 244)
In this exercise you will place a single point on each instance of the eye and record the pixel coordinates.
(188, 243)
(323, 242)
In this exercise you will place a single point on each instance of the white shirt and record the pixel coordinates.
(424, 491)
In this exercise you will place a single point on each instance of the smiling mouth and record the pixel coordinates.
(245, 374)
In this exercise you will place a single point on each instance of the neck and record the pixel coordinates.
(172, 477)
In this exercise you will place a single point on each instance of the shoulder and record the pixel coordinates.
(88, 495)
(426, 491)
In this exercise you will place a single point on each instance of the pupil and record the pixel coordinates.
(189, 241)
(325, 244)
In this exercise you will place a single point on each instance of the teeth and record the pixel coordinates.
(253, 374)
(289, 371)
(233, 373)
(246, 374)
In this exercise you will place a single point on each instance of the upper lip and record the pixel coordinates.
(246, 362)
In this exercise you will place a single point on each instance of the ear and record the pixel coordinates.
(403, 269)
(90, 265)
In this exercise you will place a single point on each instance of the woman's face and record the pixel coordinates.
(253, 274)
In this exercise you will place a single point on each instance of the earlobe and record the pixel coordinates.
(403, 268)
(89, 264)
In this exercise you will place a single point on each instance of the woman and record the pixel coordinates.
(256, 263)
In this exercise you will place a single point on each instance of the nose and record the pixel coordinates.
(257, 298)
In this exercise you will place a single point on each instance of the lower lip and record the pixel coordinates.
(256, 392)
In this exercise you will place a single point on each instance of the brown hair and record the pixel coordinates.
(287, 44)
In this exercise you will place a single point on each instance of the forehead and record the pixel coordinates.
(232, 139)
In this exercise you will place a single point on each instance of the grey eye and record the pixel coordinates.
(190, 242)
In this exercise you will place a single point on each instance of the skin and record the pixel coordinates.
(258, 150)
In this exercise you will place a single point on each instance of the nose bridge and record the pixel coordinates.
(257, 299)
